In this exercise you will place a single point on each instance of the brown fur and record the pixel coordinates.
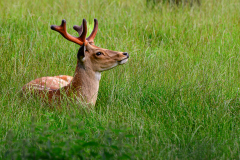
(84, 85)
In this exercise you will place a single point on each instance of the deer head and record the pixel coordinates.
(89, 55)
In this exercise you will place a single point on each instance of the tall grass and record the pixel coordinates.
(176, 98)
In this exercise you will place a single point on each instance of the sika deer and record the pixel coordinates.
(91, 61)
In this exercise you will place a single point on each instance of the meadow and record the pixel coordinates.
(177, 97)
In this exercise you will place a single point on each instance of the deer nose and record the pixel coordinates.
(126, 54)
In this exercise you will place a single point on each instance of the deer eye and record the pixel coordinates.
(98, 53)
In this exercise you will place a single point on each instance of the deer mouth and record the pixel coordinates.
(123, 61)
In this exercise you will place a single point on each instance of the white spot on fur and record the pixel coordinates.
(98, 76)
(83, 59)
(123, 61)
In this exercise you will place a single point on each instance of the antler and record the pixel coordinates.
(63, 31)
(90, 39)
(94, 32)
(79, 29)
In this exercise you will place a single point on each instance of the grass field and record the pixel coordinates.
(178, 96)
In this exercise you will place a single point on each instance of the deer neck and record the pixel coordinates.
(85, 83)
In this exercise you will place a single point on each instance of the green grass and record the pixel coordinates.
(177, 97)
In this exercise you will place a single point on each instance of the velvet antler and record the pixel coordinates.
(63, 31)
(90, 39)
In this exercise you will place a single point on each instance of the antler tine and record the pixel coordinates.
(79, 29)
(63, 31)
(94, 32)
(84, 31)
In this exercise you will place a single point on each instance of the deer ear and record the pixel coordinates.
(81, 52)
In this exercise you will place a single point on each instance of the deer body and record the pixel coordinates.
(92, 60)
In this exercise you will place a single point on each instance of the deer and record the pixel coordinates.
(91, 61)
